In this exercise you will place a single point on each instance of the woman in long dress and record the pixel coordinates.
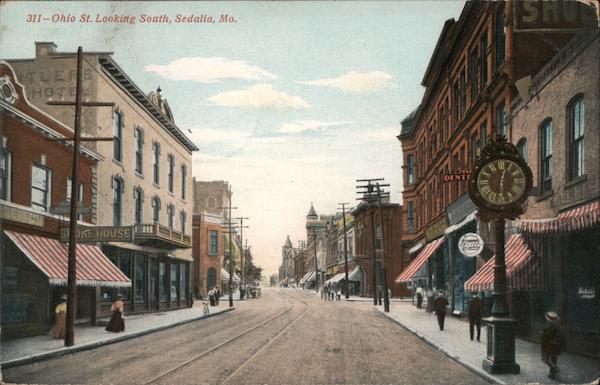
(116, 323)
(58, 330)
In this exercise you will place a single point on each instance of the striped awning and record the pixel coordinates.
(423, 256)
(305, 277)
(311, 277)
(517, 259)
(51, 257)
(575, 219)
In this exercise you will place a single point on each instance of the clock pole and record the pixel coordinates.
(496, 205)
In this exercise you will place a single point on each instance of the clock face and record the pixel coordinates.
(501, 182)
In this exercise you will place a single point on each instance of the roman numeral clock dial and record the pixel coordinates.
(501, 182)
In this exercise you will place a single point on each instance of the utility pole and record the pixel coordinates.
(241, 227)
(72, 261)
(386, 297)
(314, 234)
(368, 194)
(230, 232)
(345, 249)
(301, 245)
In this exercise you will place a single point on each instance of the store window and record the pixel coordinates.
(183, 283)
(125, 267)
(163, 281)
(546, 157)
(40, 187)
(576, 115)
(173, 279)
(140, 278)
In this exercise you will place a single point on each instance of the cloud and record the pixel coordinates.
(209, 70)
(355, 81)
(308, 125)
(212, 135)
(258, 96)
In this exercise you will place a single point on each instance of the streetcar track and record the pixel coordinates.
(234, 338)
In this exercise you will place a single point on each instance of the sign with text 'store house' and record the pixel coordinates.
(100, 234)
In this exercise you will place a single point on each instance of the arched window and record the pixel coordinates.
(183, 180)
(155, 209)
(117, 200)
(170, 215)
(546, 156)
(156, 162)
(138, 196)
(522, 148)
(182, 220)
(576, 124)
(170, 171)
(117, 135)
(139, 145)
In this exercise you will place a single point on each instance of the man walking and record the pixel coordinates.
(475, 316)
(552, 342)
(439, 305)
(419, 297)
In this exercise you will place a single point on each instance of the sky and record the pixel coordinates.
(290, 102)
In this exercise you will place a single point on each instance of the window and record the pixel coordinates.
(155, 163)
(463, 92)
(163, 281)
(410, 169)
(183, 180)
(140, 278)
(40, 187)
(483, 134)
(155, 209)
(173, 278)
(473, 62)
(474, 148)
(500, 36)
(522, 148)
(117, 201)
(183, 220)
(455, 98)
(501, 120)
(125, 267)
(139, 200)
(139, 145)
(117, 135)
(214, 243)
(4, 174)
(576, 116)
(546, 157)
(378, 237)
(183, 281)
(171, 169)
(79, 194)
(483, 46)
(410, 216)
(170, 215)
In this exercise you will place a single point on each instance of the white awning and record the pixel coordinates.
(416, 248)
(336, 278)
(311, 277)
(236, 278)
(468, 218)
(356, 274)
(305, 277)
(224, 274)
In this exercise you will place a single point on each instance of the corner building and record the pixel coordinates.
(144, 179)
(469, 84)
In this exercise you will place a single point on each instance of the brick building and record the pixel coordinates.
(207, 250)
(388, 248)
(35, 178)
(555, 123)
(469, 84)
(144, 181)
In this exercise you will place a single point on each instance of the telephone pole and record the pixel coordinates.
(230, 232)
(345, 249)
(301, 245)
(72, 260)
(241, 227)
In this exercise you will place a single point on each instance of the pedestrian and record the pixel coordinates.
(552, 343)
(211, 297)
(430, 294)
(339, 295)
(419, 297)
(389, 291)
(440, 304)
(116, 323)
(475, 316)
(58, 330)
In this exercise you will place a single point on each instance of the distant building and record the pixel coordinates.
(286, 270)
(207, 250)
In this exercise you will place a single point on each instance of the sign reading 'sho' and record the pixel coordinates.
(100, 234)
(470, 244)
(551, 15)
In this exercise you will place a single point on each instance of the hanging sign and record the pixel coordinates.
(586, 292)
(470, 244)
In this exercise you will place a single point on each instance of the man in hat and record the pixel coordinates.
(439, 305)
(475, 316)
(551, 343)
(419, 297)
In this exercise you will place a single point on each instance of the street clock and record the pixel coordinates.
(501, 181)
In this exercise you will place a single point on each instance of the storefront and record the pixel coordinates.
(424, 270)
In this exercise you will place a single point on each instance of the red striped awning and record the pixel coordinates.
(51, 257)
(517, 256)
(418, 262)
(575, 219)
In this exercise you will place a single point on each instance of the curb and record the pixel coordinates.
(454, 357)
(92, 345)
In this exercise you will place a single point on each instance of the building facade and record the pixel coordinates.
(144, 179)
(36, 181)
(287, 276)
(207, 250)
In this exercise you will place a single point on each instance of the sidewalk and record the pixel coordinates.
(26, 350)
(454, 342)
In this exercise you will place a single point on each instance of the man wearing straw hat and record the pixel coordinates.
(551, 343)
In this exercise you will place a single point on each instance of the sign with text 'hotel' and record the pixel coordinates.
(100, 234)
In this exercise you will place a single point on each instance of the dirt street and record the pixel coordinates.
(285, 337)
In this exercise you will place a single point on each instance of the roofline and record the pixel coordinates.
(115, 72)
